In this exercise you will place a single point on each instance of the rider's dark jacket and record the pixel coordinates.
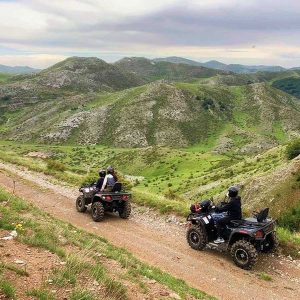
(99, 183)
(233, 207)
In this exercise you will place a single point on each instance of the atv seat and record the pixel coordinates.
(251, 220)
(117, 187)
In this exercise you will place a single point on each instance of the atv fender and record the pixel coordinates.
(237, 235)
(200, 221)
(96, 199)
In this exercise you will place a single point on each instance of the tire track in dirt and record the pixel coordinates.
(166, 247)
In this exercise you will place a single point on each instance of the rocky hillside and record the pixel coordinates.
(87, 101)
(71, 76)
(250, 118)
(87, 74)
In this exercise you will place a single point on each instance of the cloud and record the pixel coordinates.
(139, 27)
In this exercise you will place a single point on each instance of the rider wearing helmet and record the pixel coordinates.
(234, 211)
(110, 178)
(99, 183)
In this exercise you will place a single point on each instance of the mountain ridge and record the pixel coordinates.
(18, 69)
(236, 68)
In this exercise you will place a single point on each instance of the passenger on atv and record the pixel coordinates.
(233, 209)
(109, 180)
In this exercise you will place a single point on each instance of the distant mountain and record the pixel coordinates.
(86, 74)
(237, 68)
(214, 64)
(178, 60)
(17, 70)
(150, 70)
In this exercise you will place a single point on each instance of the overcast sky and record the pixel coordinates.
(39, 33)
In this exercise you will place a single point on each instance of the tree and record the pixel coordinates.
(293, 149)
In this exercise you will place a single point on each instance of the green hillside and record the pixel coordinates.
(4, 78)
(88, 101)
(249, 118)
(290, 85)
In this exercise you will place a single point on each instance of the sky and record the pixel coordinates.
(40, 33)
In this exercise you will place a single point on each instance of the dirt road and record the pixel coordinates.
(148, 236)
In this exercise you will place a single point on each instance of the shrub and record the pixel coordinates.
(290, 219)
(170, 194)
(6, 98)
(293, 149)
(55, 165)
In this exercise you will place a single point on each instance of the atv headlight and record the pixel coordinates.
(86, 190)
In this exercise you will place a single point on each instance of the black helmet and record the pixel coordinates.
(102, 173)
(233, 191)
(110, 170)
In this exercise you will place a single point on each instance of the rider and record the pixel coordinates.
(110, 178)
(233, 209)
(99, 183)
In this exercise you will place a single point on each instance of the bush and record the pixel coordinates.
(290, 219)
(293, 149)
(55, 165)
(6, 98)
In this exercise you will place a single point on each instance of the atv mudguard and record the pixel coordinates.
(199, 219)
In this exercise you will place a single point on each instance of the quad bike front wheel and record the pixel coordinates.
(271, 243)
(244, 254)
(80, 204)
(97, 211)
(125, 211)
(196, 237)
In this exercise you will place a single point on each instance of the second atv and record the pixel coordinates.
(243, 238)
(115, 200)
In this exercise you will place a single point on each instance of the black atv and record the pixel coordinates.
(115, 200)
(243, 238)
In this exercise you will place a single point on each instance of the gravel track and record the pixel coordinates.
(160, 241)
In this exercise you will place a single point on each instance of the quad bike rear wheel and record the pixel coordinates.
(196, 237)
(125, 211)
(244, 254)
(80, 204)
(97, 211)
(271, 243)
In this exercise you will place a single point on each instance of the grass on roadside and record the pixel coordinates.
(40, 294)
(289, 241)
(7, 288)
(265, 276)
